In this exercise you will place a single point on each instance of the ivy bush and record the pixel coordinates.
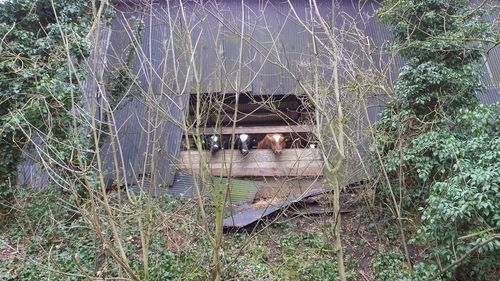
(439, 146)
(467, 202)
(387, 265)
(43, 45)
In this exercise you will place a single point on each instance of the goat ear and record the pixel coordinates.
(285, 139)
(269, 137)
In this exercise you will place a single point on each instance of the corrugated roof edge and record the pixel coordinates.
(490, 95)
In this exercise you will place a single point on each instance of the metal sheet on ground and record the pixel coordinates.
(184, 186)
(256, 212)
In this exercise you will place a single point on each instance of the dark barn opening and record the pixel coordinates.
(253, 110)
(257, 115)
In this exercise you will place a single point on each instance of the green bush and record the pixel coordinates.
(389, 265)
(468, 200)
(38, 87)
(440, 149)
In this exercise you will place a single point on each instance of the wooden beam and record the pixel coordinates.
(259, 129)
(255, 155)
(262, 162)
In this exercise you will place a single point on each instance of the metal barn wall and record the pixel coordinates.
(155, 35)
(148, 116)
(271, 35)
(32, 172)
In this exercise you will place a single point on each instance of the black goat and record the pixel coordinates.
(213, 143)
(244, 141)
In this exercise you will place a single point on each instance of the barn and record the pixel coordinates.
(166, 74)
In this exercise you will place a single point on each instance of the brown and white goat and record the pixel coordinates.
(276, 142)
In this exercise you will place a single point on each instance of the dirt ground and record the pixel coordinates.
(360, 240)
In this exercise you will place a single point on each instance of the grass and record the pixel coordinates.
(46, 239)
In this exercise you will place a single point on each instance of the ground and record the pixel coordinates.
(360, 239)
(43, 244)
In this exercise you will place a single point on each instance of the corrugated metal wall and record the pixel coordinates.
(166, 69)
(492, 58)
(32, 172)
(148, 117)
